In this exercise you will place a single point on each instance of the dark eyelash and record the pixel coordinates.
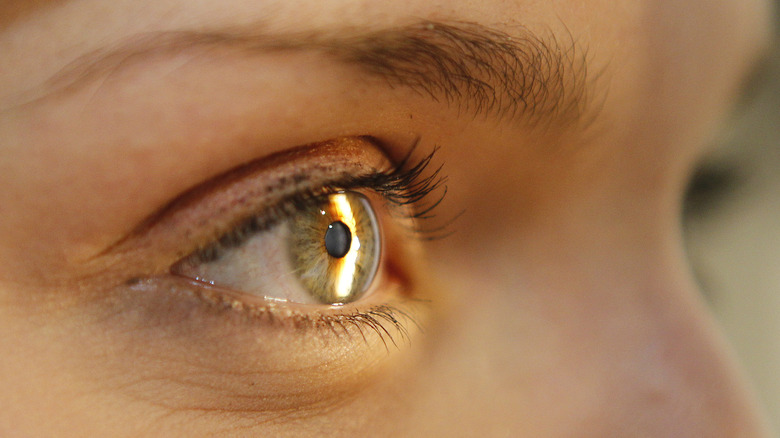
(402, 184)
(390, 321)
(386, 321)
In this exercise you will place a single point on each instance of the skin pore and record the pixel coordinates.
(561, 303)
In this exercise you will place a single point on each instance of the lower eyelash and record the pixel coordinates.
(390, 322)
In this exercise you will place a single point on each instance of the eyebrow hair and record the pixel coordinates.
(478, 69)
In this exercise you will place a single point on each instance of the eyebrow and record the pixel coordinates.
(480, 70)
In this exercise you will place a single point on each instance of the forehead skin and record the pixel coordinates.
(569, 308)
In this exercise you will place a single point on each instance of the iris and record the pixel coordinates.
(334, 247)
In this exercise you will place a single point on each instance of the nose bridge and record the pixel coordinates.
(572, 346)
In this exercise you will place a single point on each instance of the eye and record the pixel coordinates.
(326, 251)
(330, 223)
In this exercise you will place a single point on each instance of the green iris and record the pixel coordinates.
(334, 247)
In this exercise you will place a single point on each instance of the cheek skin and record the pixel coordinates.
(165, 358)
(583, 338)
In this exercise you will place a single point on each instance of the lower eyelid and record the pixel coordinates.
(387, 316)
(225, 357)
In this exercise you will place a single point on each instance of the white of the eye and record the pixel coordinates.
(260, 265)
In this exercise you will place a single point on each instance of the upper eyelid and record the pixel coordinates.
(210, 209)
(402, 185)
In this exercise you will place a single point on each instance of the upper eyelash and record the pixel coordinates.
(404, 184)
(401, 184)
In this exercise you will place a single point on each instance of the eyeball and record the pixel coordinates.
(323, 250)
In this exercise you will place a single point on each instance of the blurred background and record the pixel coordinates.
(732, 227)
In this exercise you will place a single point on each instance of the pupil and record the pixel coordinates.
(338, 239)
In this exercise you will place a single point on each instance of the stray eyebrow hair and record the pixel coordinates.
(479, 69)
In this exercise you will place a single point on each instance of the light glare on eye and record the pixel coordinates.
(330, 276)
(346, 271)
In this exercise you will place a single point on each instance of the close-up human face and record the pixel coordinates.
(306, 218)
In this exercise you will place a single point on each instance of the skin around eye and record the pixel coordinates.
(239, 351)
(327, 252)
